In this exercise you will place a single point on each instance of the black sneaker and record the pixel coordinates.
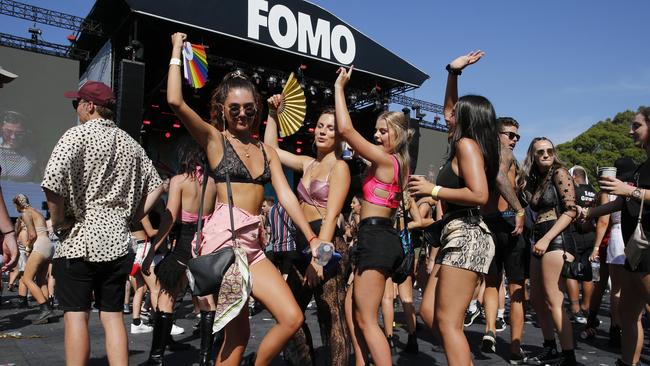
(518, 358)
(489, 342)
(500, 324)
(470, 316)
(412, 344)
(548, 355)
(391, 343)
(578, 317)
(44, 316)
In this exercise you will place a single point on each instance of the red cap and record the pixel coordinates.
(93, 91)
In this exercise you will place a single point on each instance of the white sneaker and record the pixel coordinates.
(142, 328)
(176, 330)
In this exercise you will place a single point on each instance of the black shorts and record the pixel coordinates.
(511, 252)
(564, 241)
(285, 260)
(378, 246)
(77, 280)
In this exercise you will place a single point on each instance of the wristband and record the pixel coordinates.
(434, 192)
(453, 71)
(521, 213)
(310, 239)
(9, 232)
(175, 61)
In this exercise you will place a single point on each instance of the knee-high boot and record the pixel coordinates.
(205, 326)
(161, 328)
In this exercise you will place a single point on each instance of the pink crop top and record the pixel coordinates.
(371, 183)
(318, 190)
(190, 217)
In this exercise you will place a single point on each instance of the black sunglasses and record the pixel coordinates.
(249, 110)
(550, 152)
(76, 102)
(511, 135)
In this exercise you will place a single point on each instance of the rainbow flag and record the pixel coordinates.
(195, 65)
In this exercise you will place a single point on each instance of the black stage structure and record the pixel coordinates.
(266, 39)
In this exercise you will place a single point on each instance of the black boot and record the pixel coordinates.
(161, 327)
(44, 316)
(205, 326)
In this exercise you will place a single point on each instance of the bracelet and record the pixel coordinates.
(175, 61)
(456, 72)
(312, 238)
(435, 191)
(8, 232)
(521, 213)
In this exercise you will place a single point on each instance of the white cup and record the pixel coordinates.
(607, 171)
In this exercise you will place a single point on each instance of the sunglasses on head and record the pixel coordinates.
(511, 135)
(541, 152)
(249, 110)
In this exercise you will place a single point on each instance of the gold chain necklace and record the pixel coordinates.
(246, 149)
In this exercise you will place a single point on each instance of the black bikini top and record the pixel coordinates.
(236, 168)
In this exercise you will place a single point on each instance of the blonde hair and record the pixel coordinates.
(21, 201)
(400, 147)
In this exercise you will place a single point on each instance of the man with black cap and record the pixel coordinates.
(97, 181)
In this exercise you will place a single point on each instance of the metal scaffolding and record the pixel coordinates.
(50, 17)
(42, 47)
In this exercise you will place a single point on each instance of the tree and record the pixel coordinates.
(602, 144)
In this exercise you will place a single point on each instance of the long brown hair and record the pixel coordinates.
(233, 80)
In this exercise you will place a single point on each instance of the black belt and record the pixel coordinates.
(470, 212)
(378, 221)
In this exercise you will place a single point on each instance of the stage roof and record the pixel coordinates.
(280, 34)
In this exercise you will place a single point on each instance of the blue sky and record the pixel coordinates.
(556, 66)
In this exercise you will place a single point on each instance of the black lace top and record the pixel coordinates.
(544, 197)
(232, 163)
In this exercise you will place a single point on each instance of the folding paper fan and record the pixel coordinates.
(195, 65)
(291, 114)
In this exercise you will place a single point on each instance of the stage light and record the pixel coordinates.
(298, 150)
(146, 122)
(283, 81)
(256, 78)
(280, 139)
(168, 134)
(303, 67)
(312, 90)
(155, 106)
(311, 129)
(353, 98)
(176, 125)
(327, 92)
(271, 81)
(298, 142)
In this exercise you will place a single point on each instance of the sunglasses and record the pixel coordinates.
(76, 102)
(541, 152)
(249, 110)
(511, 135)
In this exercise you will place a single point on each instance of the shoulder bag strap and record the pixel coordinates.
(230, 201)
(199, 222)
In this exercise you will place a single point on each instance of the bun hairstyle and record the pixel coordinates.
(21, 201)
(233, 80)
(403, 136)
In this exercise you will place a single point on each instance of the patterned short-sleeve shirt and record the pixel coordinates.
(102, 174)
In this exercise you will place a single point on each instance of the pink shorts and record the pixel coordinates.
(248, 228)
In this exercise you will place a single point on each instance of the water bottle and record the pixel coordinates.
(595, 269)
(324, 253)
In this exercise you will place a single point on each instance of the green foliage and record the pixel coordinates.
(602, 144)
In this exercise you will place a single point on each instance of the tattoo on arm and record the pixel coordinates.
(503, 183)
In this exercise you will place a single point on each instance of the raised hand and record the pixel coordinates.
(615, 186)
(178, 38)
(344, 77)
(463, 61)
(275, 102)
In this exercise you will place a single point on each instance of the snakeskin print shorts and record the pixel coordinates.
(466, 243)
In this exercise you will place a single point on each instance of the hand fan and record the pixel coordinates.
(195, 65)
(291, 113)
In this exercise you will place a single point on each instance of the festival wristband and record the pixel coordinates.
(434, 192)
(175, 61)
(521, 213)
(310, 239)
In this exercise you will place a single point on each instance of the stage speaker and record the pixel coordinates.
(130, 97)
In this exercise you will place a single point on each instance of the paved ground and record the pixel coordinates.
(46, 348)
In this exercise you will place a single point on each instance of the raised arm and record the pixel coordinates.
(201, 131)
(338, 191)
(293, 161)
(288, 200)
(361, 146)
(454, 69)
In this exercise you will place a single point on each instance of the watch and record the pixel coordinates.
(636, 194)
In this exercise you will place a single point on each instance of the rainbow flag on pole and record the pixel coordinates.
(195, 65)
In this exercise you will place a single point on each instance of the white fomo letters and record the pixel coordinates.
(327, 40)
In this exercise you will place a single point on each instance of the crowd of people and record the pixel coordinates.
(488, 225)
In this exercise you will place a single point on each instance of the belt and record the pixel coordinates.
(470, 212)
(378, 221)
(498, 214)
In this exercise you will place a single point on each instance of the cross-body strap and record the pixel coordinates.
(199, 222)
(230, 201)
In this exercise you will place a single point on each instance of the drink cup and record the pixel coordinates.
(607, 171)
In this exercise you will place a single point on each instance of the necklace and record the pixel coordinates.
(246, 149)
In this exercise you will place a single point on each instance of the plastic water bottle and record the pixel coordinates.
(595, 269)
(324, 253)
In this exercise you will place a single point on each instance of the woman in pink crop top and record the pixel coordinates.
(183, 202)
(379, 250)
(321, 201)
